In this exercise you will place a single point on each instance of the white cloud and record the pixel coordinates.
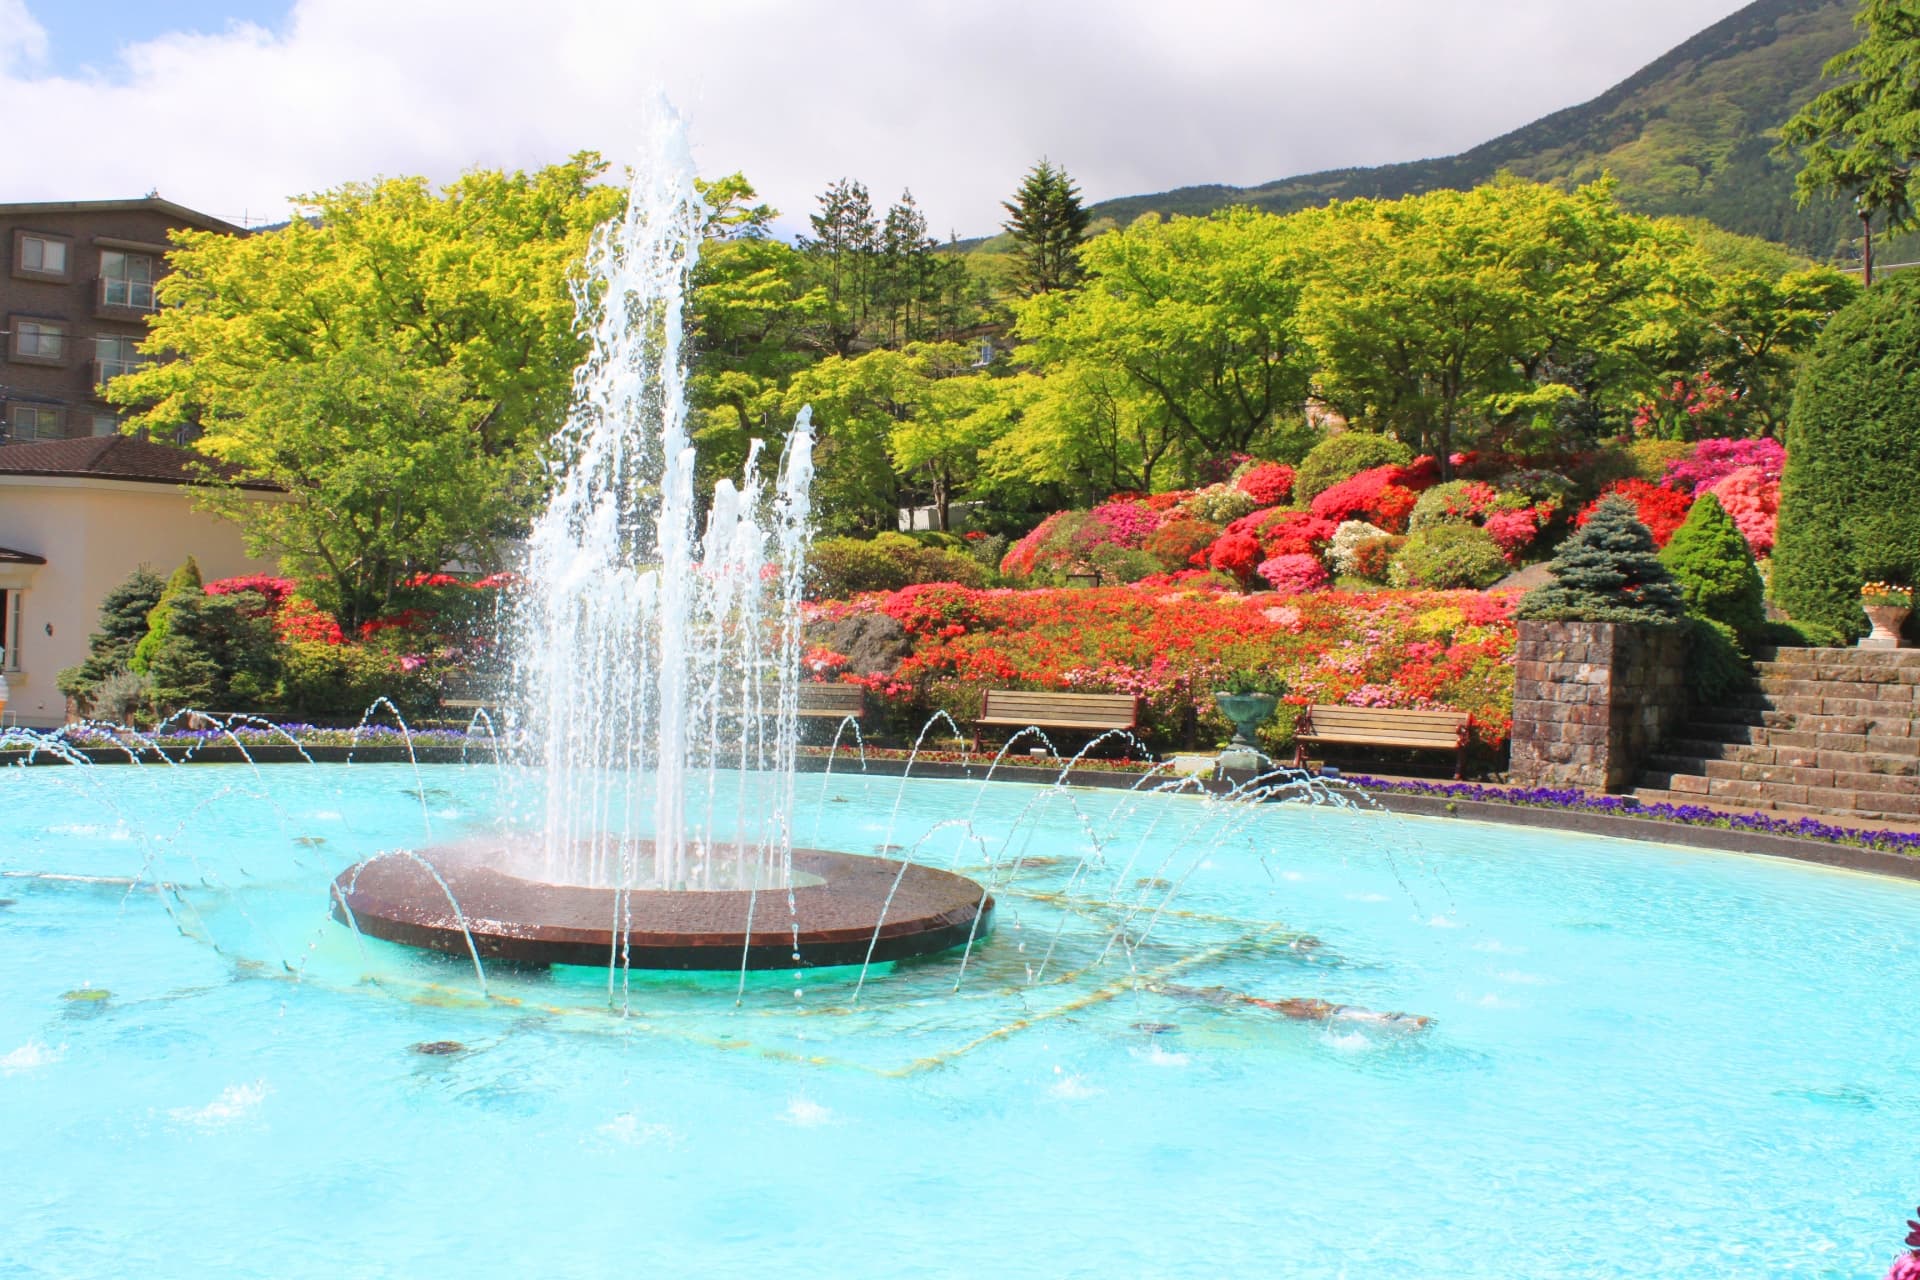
(953, 99)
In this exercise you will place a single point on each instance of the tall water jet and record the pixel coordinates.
(656, 683)
(648, 659)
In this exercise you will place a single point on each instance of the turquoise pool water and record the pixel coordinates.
(1641, 1061)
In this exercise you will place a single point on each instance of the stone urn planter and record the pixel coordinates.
(1248, 711)
(1887, 619)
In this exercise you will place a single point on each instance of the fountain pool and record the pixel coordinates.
(1640, 1060)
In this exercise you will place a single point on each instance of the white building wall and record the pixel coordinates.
(93, 533)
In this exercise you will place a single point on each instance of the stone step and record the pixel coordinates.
(1847, 659)
(1693, 788)
(1843, 817)
(1775, 688)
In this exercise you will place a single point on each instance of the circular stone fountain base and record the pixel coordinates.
(838, 899)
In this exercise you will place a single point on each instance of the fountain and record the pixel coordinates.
(657, 684)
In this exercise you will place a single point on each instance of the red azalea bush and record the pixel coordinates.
(1292, 574)
(276, 590)
(1268, 483)
(1173, 645)
(1752, 498)
(1235, 553)
(1513, 531)
(1376, 496)
(1661, 509)
(1178, 544)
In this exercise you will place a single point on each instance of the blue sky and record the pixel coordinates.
(87, 35)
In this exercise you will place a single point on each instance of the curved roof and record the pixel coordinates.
(113, 458)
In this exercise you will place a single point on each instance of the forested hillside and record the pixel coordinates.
(1690, 134)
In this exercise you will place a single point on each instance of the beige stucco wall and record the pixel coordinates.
(93, 533)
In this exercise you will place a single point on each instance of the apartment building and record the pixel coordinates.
(76, 289)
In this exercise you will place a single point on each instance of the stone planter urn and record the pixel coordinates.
(1887, 619)
(1248, 711)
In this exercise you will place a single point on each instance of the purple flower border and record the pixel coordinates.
(1694, 815)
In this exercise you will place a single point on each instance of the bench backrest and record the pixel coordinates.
(1388, 725)
(832, 699)
(1064, 710)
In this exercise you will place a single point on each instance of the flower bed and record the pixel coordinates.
(1173, 642)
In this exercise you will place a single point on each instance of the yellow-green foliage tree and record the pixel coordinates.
(393, 359)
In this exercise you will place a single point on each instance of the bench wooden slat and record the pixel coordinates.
(838, 700)
(1038, 709)
(1384, 727)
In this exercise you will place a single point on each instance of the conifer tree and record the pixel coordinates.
(1047, 223)
(1607, 572)
(160, 618)
(123, 623)
(1713, 566)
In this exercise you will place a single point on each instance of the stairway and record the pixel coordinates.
(1830, 731)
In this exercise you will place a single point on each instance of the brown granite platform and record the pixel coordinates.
(397, 898)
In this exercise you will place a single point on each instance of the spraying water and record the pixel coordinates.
(658, 667)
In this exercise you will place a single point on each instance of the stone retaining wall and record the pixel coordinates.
(1592, 699)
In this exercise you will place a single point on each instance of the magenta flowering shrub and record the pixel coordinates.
(1714, 460)
(1130, 521)
(1513, 531)
(1292, 574)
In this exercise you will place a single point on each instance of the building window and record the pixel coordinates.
(126, 279)
(10, 629)
(41, 340)
(40, 256)
(113, 357)
(28, 422)
(105, 424)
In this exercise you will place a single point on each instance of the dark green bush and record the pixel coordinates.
(219, 654)
(842, 567)
(1713, 566)
(1449, 555)
(1607, 572)
(1800, 635)
(1850, 498)
(160, 617)
(1348, 454)
(1716, 663)
(340, 681)
(123, 623)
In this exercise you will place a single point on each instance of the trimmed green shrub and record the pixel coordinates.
(1716, 663)
(1607, 572)
(1343, 456)
(1448, 555)
(1461, 502)
(842, 567)
(1800, 635)
(1714, 569)
(1850, 497)
(340, 681)
(123, 624)
(219, 654)
(1642, 460)
(160, 617)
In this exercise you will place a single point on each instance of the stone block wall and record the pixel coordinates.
(1592, 699)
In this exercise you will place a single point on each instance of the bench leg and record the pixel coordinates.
(1460, 762)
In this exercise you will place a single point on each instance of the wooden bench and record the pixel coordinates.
(1083, 712)
(1383, 727)
(835, 700)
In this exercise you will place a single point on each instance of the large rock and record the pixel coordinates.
(873, 643)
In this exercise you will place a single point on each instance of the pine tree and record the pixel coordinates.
(845, 247)
(1607, 572)
(1047, 223)
(123, 623)
(1713, 566)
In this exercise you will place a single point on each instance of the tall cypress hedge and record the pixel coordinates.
(1850, 499)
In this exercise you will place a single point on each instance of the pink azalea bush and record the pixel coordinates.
(1292, 574)
(1753, 500)
(1513, 531)
(1267, 483)
(1130, 521)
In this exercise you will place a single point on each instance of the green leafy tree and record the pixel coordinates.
(1860, 139)
(1047, 223)
(123, 624)
(844, 250)
(1609, 571)
(183, 580)
(1183, 343)
(446, 319)
(1847, 508)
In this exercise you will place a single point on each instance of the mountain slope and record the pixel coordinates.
(1689, 134)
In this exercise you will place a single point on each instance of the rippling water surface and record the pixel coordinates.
(1639, 1060)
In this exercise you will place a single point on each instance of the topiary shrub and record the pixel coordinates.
(1447, 556)
(1343, 456)
(1372, 558)
(1346, 541)
(841, 567)
(1714, 569)
(1848, 508)
(1716, 661)
(160, 617)
(1607, 572)
(1461, 502)
(1175, 543)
